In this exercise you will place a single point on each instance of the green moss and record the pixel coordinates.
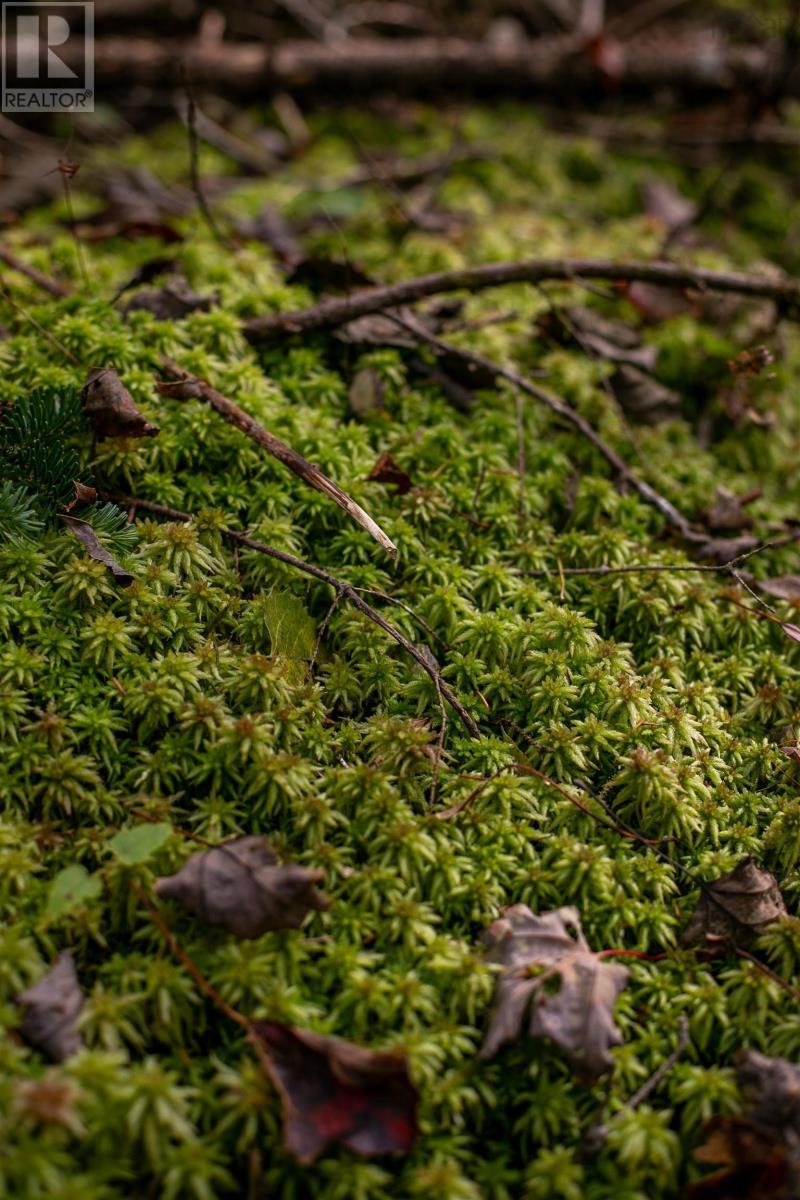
(185, 699)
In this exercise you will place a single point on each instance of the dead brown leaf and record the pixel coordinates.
(85, 534)
(387, 471)
(334, 1091)
(538, 952)
(241, 887)
(642, 398)
(758, 1153)
(50, 1009)
(782, 587)
(109, 408)
(734, 909)
(83, 495)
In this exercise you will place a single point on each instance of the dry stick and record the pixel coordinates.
(329, 314)
(729, 567)
(339, 585)
(179, 952)
(184, 386)
(647, 493)
(194, 170)
(181, 381)
(45, 282)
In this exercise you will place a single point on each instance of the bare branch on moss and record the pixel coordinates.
(331, 313)
(45, 282)
(618, 464)
(339, 585)
(183, 386)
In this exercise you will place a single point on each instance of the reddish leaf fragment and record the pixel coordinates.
(792, 631)
(241, 887)
(734, 909)
(83, 495)
(387, 471)
(334, 1091)
(578, 1016)
(759, 1152)
(85, 534)
(50, 1010)
(109, 408)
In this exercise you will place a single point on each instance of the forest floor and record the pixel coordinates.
(586, 697)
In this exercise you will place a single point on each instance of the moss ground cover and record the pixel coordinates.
(187, 700)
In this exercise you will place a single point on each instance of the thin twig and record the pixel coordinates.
(650, 1085)
(339, 585)
(179, 952)
(579, 422)
(729, 567)
(194, 170)
(183, 386)
(330, 313)
(45, 282)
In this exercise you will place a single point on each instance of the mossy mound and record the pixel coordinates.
(188, 698)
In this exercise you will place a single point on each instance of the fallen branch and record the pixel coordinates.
(329, 314)
(647, 493)
(45, 282)
(339, 586)
(727, 568)
(183, 386)
(698, 63)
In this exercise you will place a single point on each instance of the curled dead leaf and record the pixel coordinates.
(578, 1015)
(83, 495)
(334, 1091)
(171, 302)
(85, 534)
(241, 887)
(50, 1009)
(734, 909)
(643, 398)
(386, 470)
(109, 408)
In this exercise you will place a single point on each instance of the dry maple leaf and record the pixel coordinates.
(109, 408)
(241, 887)
(759, 1153)
(734, 909)
(50, 1010)
(578, 1015)
(334, 1091)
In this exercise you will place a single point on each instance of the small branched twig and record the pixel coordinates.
(574, 418)
(330, 313)
(339, 585)
(197, 975)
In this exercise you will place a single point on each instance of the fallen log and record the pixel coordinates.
(696, 61)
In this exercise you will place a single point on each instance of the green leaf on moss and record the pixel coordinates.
(72, 886)
(291, 629)
(138, 844)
